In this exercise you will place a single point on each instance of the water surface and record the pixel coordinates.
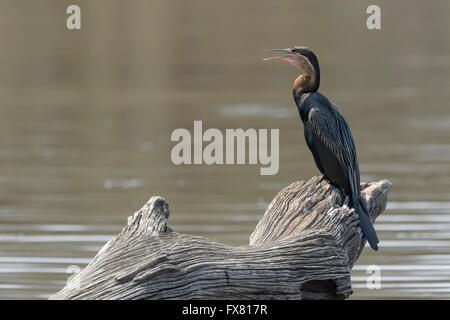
(86, 118)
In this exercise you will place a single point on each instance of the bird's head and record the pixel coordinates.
(305, 59)
(301, 57)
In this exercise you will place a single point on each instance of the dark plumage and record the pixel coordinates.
(327, 134)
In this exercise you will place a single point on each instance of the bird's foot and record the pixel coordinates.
(346, 202)
(346, 197)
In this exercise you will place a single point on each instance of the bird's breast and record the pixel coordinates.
(303, 105)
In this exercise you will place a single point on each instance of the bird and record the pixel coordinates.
(327, 134)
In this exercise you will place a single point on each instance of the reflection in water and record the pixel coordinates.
(86, 118)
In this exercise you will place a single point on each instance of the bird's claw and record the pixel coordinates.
(346, 201)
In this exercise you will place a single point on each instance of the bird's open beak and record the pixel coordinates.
(288, 58)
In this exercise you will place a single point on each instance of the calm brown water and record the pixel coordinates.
(86, 118)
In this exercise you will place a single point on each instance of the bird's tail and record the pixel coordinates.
(366, 226)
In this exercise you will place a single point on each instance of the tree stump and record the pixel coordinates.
(302, 248)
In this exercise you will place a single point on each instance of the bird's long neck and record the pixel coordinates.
(310, 80)
(307, 82)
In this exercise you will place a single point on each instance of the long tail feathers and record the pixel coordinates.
(366, 226)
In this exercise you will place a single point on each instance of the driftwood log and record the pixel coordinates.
(303, 248)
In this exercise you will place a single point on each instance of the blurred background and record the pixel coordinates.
(86, 118)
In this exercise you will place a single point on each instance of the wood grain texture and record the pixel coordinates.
(303, 248)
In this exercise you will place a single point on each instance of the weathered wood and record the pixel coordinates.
(303, 248)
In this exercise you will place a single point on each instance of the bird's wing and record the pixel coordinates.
(330, 128)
